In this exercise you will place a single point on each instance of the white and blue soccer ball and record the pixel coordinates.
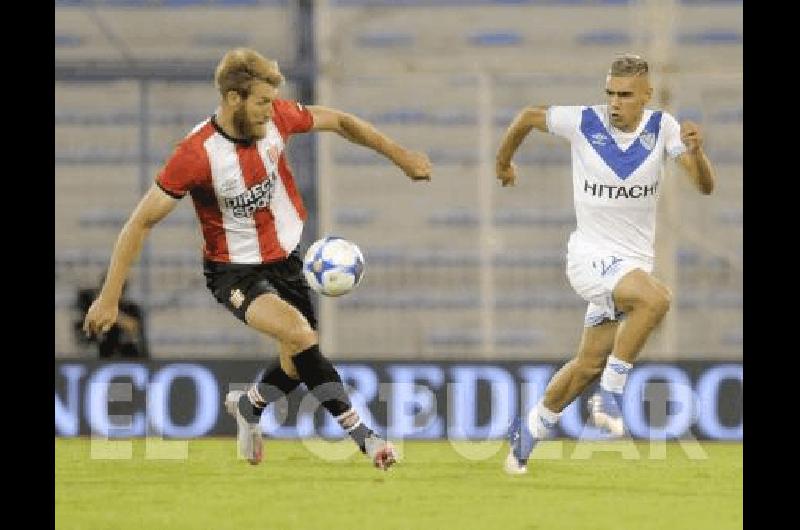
(333, 266)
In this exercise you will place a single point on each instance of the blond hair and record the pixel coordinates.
(628, 65)
(240, 67)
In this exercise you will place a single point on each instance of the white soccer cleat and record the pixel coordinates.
(605, 414)
(521, 443)
(381, 452)
(512, 465)
(613, 426)
(248, 435)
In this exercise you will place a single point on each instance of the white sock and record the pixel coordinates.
(541, 420)
(615, 374)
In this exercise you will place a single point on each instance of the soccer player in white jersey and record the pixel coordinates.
(233, 165)
(618, 150)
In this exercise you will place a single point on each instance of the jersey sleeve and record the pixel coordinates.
(291, 117)
(184, 168)
(672, 136)
(563, 121)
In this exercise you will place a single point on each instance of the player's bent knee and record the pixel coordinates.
(660, 302)
(302, 339)
(656, 304)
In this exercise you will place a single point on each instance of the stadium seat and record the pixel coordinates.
(711, 37)
(495, 38)
(603, 38)
(385, 40)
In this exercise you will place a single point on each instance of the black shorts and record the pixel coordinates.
(237, 285)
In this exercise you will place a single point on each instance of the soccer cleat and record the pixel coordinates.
(521, 443)
(248, 433)
(605, 411)
(512, 466)
(381, 452)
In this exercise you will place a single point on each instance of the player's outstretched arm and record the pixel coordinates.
(414, 164)
(153, 207)
(694, 160)
(527, 119)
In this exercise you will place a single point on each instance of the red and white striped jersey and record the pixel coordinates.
(244, 193)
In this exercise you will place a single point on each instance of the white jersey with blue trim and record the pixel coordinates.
(616, 175)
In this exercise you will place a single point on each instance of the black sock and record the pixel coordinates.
(274, 385)
(324, 382)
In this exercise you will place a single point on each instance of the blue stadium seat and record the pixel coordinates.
(107, 155)
(688, 257)
(68, 40)
(727, 299)
(393, 258)
(197, 337)
(234, 3)
(385, 40)
(732, 338)
(730, 115)
(715, 299)
(603, 38)
(504, 116)
(529, 217)
(692, 258)
(114, 218)
(710, 2)
(523, 337)
(725, 156)
(454, 217)
(96, 155)
(459, 156)
(88, 257)
(542, 258)
(454, 118)
(121, 3)
(731, 217)
(183, 3)
(70, 117)
(540, 300)
(711, 37)
(544, 158)
(438, 156)
(410, 301)
(355, 216)
(417, 116)
(495, 38)
(227, 39)
(460, 337)
(510, 217)
(454, 338)
(689, 113)
(405, 116)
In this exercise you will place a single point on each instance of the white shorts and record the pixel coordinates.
(593, 273)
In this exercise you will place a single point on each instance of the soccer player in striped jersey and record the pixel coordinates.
(618, 151)
(234, 167)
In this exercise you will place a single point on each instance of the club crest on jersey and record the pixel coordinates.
(599, 139)
(229, 186)
(237, 298)
(648, 140)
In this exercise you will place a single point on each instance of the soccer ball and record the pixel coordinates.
(333, 266)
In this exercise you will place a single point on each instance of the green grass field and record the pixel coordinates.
(590, 485)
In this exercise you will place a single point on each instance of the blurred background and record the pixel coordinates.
(458, 268)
